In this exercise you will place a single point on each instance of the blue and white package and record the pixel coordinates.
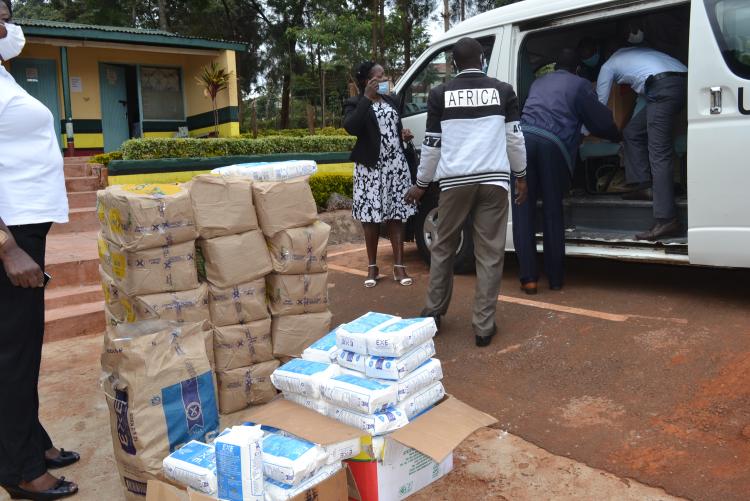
(324, 350)
(276, 491)
(270, 171)
(375, 424)
(291, 460)
(352, 361)
(398, 368)
(193, 465)
(359, 393)
(353, 336)
(398, 338)
(239, 464)
(422, 400)
(303, 377)
(314, 404)
(423, 376)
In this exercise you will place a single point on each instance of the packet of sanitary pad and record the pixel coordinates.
(193, 465)
(423, 376)
(276, 491)
(359, 393)
(398, 368)
(314, 404)
(323, 350)
(422, 400)
(352, 361)
(303, 377)
(290, 460)
(397, 338)
(353, 336)
(375, 424)
(239, 464)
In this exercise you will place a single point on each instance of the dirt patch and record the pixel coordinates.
(591, 411)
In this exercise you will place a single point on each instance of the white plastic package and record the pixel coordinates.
(193, 465)
(396, 339)
(324, 350)
(353, 336)
(352, 361)
(276, 491)
(398, 368)
(303, 377)
(375, 424)
(423, 376)
(314, 404)
(239, 464)
(422, 400)
(359, 393)
(270, 171)
(291, 460)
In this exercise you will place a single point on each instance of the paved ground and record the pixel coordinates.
(637, 370)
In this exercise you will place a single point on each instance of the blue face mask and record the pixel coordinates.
(591, 61)
(384, 88)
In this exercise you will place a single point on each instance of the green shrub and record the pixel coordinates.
(324, 185)
(153, 148)
(105, 158)
(325, 131)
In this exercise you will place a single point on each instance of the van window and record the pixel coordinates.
(437, 70)
(730, 20)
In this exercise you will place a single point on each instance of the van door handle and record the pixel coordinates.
(715, 100)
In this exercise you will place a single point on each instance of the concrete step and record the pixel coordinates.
(72, 259)
(72, 295)
(77, 170)
(73, 321)
(83, 183)
(80, 219)
(82, 199)
(76, 160)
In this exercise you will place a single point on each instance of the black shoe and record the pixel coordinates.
(482, 341)
(62, 489)
(436, 318)
(671, 228)
(645, 194)
(66, 458)
(555, 287)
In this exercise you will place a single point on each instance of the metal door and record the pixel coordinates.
(114, 96)
(39, 78)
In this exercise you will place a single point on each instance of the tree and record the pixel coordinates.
(214, 80)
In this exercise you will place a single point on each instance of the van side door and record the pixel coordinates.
(718, 132)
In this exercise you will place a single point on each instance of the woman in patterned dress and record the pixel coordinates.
(381, 174)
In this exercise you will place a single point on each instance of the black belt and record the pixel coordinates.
(659, 76)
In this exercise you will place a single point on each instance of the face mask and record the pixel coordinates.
(636, 38)
(591, 61)
(384, 88)
(13, 43)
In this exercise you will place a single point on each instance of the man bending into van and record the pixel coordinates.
(649, 136)
(558, 104)
(472, 144)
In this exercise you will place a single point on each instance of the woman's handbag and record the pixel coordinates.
(412, 159)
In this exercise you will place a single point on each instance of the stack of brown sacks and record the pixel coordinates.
(236, 262)
(147, 255)
(298, 287)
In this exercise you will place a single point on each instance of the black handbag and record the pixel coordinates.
(412, 160)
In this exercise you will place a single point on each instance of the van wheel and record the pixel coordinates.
(425, 234)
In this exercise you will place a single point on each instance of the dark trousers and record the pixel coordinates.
(547, 177)
(23, 439)
(649, 142)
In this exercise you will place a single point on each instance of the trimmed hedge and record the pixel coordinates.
(105, 158)
(325, 131)
(154, 148)
(324, 185)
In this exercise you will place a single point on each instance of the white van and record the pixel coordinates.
(713, 175)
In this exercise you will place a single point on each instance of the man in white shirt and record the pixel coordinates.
(648, 137)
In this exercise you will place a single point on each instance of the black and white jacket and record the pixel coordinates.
(473, 134)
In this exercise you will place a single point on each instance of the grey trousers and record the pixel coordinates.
(488, 207)
(649, 142)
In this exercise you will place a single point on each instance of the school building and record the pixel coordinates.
(107, 84)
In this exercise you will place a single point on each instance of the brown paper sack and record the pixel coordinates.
(160, 393)
(223, 205)
(241, 388)
(284, 205)
(236, 259)
(292, 334)
(297, 294)
(165, 269)
(300, 250)
(146, 216)
(238, 346)
(238, 304)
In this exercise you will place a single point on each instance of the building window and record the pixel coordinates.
(730, 20)
(161, 94)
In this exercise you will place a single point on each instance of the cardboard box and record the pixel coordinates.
(300, 250)
(284, 205)
(146, 216)
(297, 294)
(292, 334)
(428, 440)
(223, 205)
(236, 259)
(240, 388)
(242, 345)
(622, 103)
(238, 304)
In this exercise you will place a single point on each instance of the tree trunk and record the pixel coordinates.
(310, 119)
(286, 90)
(163, 24)
(406, 28)
(463, 10)
(216, 117)
(254, 118)
(446, 15)
(375, 29)
(322, 94)
(381, 19)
